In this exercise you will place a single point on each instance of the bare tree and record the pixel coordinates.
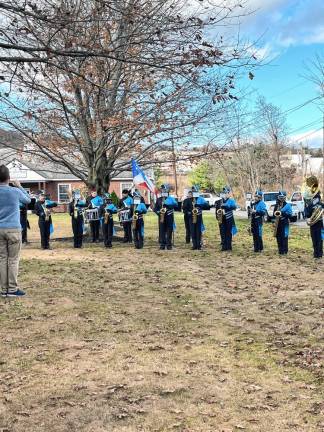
(315, 74)
(274, 131)
(158, 75)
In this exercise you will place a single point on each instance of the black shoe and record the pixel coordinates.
(169, 247)
(162, 247)
(194, 248)
(125, 241)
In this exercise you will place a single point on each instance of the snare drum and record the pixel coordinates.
(124, 215)
(92, 215)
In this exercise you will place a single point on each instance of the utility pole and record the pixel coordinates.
(174, 166)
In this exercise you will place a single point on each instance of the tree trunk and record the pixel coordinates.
(99, 176)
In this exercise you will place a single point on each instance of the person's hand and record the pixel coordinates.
(16, 183)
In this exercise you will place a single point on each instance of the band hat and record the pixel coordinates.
(136, 194)
(258, 193)
(165, 187)
(226, 189)
(282, 194)
(194, 188)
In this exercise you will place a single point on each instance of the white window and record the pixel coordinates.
(64, 193)
(123, 186)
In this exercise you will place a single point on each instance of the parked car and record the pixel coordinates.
(294, 216)
(270, 199)
(298, 200)
(210, 198)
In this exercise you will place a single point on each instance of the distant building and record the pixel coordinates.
(305, 164)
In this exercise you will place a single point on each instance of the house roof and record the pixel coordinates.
(48, 170)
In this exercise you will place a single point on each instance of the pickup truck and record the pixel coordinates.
(270, 199)
(210, 198)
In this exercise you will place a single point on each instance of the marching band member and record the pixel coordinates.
(314, 210)
(187, 215)
(164, 208)
(225, 217)
(196, 222)
(23, 222)
(282, 213)
(96, 202)
(76, 207)
(43, 210)
(125, 205)
(259, 209)
(139, 211)
(109, 209)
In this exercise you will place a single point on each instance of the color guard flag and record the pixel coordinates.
(140, 180)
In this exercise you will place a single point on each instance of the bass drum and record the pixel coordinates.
(92, 215)
(124, 216)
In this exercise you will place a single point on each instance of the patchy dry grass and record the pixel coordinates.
(126, 340)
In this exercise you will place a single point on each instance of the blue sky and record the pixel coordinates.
(291, 32)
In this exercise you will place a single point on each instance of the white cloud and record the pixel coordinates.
(312, 139)
(285, 23)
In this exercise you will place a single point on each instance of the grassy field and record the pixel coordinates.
(145, 340)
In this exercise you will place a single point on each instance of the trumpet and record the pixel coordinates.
(219, 215)
(277, 215)
(162, 214)
(134, 220)
(195, 212)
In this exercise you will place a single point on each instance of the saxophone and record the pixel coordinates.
(134, 220)
(249, 228)
(195, 212)
(47, 212)
(219, 215)
(162, 214)
(277, 215)
(75, 210)
(107, 217)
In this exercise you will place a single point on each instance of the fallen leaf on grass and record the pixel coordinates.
(24, 413)
(160, 373)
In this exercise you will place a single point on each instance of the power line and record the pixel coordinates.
(313, 123)
(307, 135)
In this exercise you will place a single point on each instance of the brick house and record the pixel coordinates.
(58, 182)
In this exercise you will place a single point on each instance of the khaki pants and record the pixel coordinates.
(10, 245)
